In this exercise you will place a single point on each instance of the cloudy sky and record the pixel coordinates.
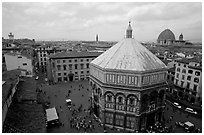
(82, 21)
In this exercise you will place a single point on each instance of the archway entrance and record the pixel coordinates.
(96, 110)
(192, 100)
(186, 97)
(71, 76)
(150, 119)
(180, 94)
(175, 93)
(159, 116)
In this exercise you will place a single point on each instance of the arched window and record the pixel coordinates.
(120, 100)
(131, 101)
(109, 98)
(178, 69)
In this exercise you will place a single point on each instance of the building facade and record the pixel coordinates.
(128, 86)
(188, 79)
(69, 66)
(42, 56)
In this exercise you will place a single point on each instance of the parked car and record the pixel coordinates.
(181, 124)
(177, 105)
(189, 127)
(69, 102)
(190, 110)
(36, 78)
(197, 130)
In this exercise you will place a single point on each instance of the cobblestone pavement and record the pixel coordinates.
(179, 116)
(58, 93)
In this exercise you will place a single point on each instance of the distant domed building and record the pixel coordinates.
(180, 41)
(181, 37)
(166, 37)
(128, 85)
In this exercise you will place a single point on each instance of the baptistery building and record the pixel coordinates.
(128, 85)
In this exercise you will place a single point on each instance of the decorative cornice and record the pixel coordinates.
(127, 87)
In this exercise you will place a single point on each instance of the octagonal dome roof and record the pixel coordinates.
(167, 34)
(128, 54)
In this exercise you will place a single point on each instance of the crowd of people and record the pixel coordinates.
(82, 118)
(82, 124)
(158, 128)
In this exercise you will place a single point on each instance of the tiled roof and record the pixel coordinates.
(74, 54)
(129, 54)
(172, 69)
(165, 61)
(10, 75)
(10, 78)
(28, 56)
(196, 67)
(188, 60)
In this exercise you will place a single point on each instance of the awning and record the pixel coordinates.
(51, 114)
(189, 124)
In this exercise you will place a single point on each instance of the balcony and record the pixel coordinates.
(109, 105)
(120, 107)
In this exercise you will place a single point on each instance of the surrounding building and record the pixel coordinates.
(180, 41)
(18, 61)
(128, 86)
(170, 79)
(188, 80)
(69, 66)
(10, 79)
(42, 56)
(97, 38)
(11, 36)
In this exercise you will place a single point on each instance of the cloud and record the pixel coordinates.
(105, 19)
(107, 7)
(164, 11)
(84, 20)
(88, 4)
(67, 13)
